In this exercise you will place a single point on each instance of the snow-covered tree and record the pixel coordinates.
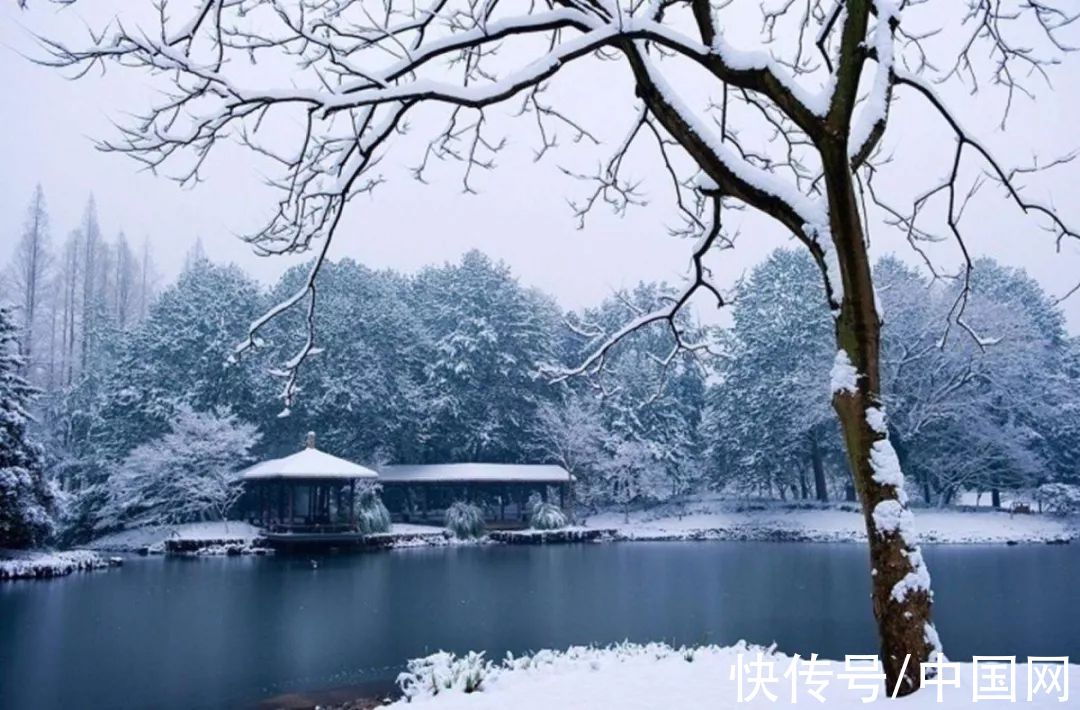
(634, 474)
(27, 500)
(969, 413)
(189, 474)
(489, 337)
(571, 433)
(26, 284)
(365, 399)
(179, 355)
(790, 130)
(769, 424)
(651, 389)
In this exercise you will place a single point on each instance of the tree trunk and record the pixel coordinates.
(820, 489)
(901, 589)
(995, 498)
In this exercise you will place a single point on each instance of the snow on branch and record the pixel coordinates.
(343, 77)
(358, 71)
(594, 362)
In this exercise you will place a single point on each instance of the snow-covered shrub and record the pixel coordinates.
(189, 474)
(443, 671)
(1059, 498)
(547, 516)
(465, 520)
(371, 515)
(534, 501)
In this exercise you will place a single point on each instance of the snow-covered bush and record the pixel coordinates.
(1059, 498)
(547, 516)
(534, 501)
(371, 515)
(465, 520)
(189, 474)
(443, 671)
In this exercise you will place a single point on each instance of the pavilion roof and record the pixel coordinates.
(309, 463)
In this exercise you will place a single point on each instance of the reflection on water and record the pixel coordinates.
(226, 632)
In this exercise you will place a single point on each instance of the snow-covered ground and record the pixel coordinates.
(716, 518)
(42, 564)
(635, 677)
(153, 538)
(699, 519)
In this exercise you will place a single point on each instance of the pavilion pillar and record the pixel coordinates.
(352, 502)
(292, 503)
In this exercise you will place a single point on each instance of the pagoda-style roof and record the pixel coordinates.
(308, 464)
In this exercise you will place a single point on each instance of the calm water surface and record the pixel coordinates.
(228, 632)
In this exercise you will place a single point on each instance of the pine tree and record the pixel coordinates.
(27, 500)
(489, 337)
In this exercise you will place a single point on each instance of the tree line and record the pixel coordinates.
(142, 415)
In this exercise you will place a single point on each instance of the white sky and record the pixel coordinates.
(521, 214)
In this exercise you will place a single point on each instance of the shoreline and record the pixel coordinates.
(48, 564)
(693, 521)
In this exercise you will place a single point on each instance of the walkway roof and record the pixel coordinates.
(474, 473)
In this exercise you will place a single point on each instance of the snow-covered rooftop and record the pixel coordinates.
(308, 463)
(483, 472)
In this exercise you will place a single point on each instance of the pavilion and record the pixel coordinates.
(308, 492)
(422, 493)
(311, 495)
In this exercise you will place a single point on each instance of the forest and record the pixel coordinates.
(124, 402)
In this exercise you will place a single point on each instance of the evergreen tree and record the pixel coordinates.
(27, 500)
(771, 426)
(362, 396)
(489, 337)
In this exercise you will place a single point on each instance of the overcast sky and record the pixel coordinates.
(521, 214)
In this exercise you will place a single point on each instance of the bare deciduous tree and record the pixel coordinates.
(28, 276)
(791, 130)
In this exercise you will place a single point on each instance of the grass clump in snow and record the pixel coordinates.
(465, 520)
(34, 564)
(371, 514)
(439, 672)
(547, 516)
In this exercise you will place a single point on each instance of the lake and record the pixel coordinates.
(229, 632)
